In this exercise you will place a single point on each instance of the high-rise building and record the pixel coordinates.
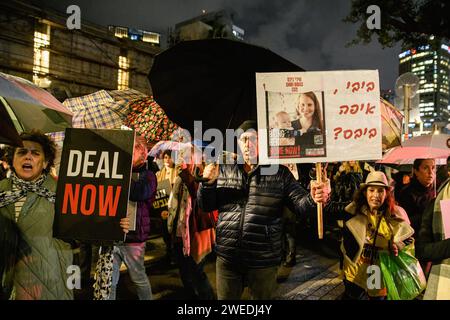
(217, 24)
(430, 62)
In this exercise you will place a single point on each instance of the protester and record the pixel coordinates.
(3, 164)
(372, 223)
(142, 192)
(346, 182)
(289, 238)
(192, 232)
(37, 265)
(433, 246)
(168, 172)
(415, 197)
(250, 203)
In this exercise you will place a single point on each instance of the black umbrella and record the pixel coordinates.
(212, 80)
(8, 132)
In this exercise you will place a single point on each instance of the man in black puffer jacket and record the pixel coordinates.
(250, 204)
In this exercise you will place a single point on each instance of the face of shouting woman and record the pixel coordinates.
(29, 161)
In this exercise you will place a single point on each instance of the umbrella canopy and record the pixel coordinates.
(150, 120)
(101, 110)
(8, 132)
(391, 125)
(185, 150)
(34, 107)
(435, 146)
(123, 98)
(212, 80)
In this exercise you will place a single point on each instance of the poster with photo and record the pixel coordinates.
(307, 117)
(296, 125)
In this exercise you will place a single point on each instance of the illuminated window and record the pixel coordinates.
(41, 64)
(123, 74)
(121, 32)
(150, 37)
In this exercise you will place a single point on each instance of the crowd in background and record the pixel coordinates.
(248, 219)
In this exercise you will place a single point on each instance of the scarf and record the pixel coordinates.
(8, 197)
(103, 273)
(180, 207)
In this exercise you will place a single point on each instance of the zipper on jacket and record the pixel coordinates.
(244, 205)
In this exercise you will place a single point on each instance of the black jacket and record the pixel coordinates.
(250, 213)
(414, 198)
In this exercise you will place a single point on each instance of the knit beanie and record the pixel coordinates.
(248, 124)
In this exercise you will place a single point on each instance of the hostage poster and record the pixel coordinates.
(318, 116)
(93, 184)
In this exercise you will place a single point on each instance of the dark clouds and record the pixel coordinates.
(309, 33)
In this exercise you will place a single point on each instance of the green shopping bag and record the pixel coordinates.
(402, 274)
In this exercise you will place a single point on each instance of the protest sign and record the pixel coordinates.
(445, 211)
(162, 197)
(132, 206)
(93, 184)
(318, 116)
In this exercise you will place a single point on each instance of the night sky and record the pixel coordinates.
(308, 33)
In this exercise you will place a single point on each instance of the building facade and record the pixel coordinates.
(430, 62)
(217, 24)
(37, 44)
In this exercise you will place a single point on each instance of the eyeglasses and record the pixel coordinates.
(245, 139)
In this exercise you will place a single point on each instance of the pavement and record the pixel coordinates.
(314, 277)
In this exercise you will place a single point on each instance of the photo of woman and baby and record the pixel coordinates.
(296, 123)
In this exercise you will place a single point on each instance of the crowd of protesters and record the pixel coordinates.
(236, 210)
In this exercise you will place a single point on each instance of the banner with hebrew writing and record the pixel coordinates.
(318, 116)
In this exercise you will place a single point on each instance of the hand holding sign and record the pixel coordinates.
(211, 172)
(125, 224)
(320, 191)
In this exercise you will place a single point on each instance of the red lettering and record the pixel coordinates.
(355, 134)
(83, 209)
(108, 203)
(70, 197)
(356, 86)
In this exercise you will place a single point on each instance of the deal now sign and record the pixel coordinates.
(93, 186)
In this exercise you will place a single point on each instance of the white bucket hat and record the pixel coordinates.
(375, 178)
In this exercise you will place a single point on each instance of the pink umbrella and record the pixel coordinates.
(435, 146)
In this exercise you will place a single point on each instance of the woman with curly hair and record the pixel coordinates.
(34, 263)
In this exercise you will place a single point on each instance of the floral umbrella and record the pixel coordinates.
(150, 120)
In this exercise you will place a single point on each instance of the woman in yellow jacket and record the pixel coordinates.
(372, 223)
